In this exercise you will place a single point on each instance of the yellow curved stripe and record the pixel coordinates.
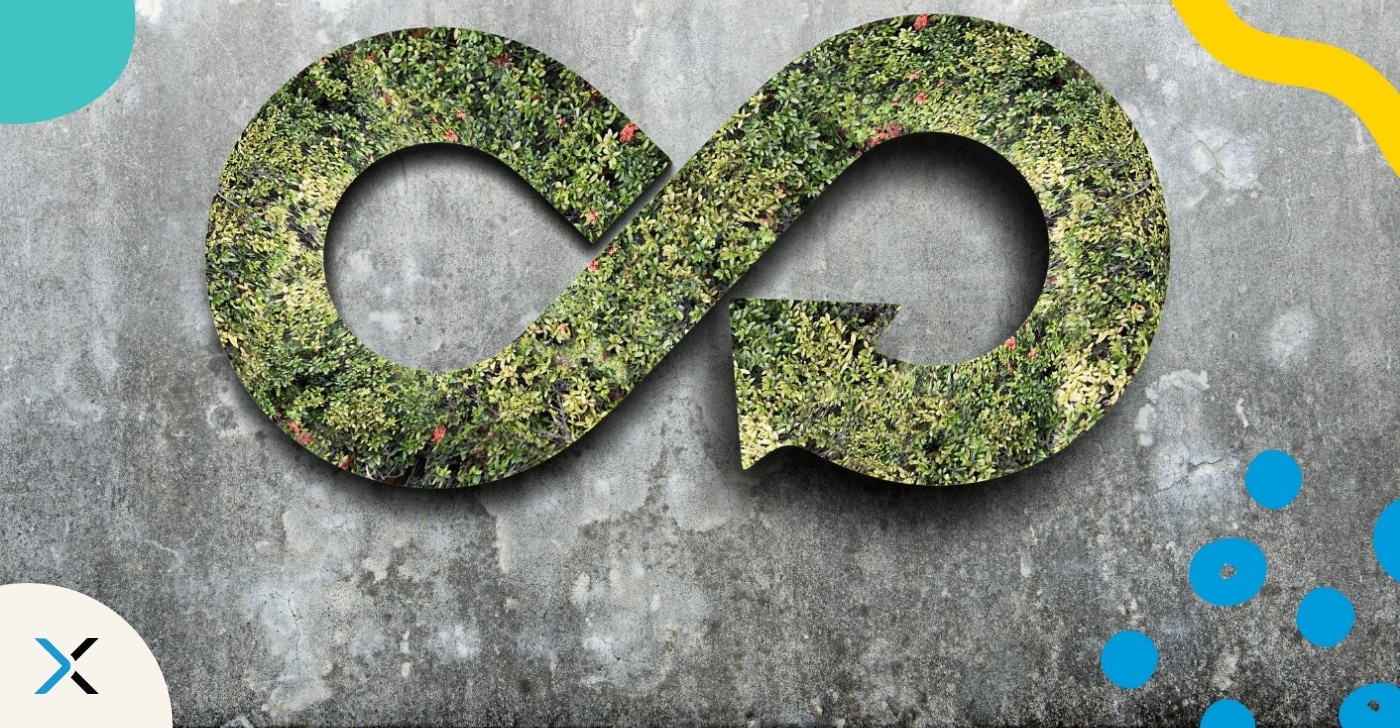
(1295, 62)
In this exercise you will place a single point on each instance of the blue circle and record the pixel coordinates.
(1129, 659)
(1325, 617)
(1356, 710)
(1227, 714)
(1249, 565)
(1387, 540)
(1273, 479)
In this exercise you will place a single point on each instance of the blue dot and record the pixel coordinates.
(1228, 572)
(1273, 479)
(1372, 706)
(1129, 659)
(1387, 540)
(1227, 714)
(1325, 617)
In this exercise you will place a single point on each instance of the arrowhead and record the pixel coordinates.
(807, 374)
(803, 371)
(63, 665)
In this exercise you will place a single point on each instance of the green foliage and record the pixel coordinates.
(264, 259)
(807, 373)
(677, 259)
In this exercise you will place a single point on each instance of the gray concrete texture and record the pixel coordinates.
(642, 576)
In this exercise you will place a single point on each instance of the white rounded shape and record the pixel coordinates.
(41, 626)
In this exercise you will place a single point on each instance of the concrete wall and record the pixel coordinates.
(642, 576)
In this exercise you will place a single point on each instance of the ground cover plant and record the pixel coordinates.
(806, 373)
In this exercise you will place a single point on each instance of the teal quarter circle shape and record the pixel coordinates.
(57, 56)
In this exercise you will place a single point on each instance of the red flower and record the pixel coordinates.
(921, 99)
(591, 217)
(627, 132)
(1011, 344)
(1031, 353)
(461, 114)
(612, 250)
(451, 135)
(593, 266)
(921, 22)
(370, 58)
(438, 433)
(891, 130)
(302, 437)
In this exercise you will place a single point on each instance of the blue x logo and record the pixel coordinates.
(65, 666)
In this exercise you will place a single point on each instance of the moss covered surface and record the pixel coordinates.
(808, 374)
(678, 258)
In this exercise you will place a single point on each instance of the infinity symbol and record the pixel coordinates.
(807, 373)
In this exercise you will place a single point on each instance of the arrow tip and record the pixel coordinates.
(784, 352)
